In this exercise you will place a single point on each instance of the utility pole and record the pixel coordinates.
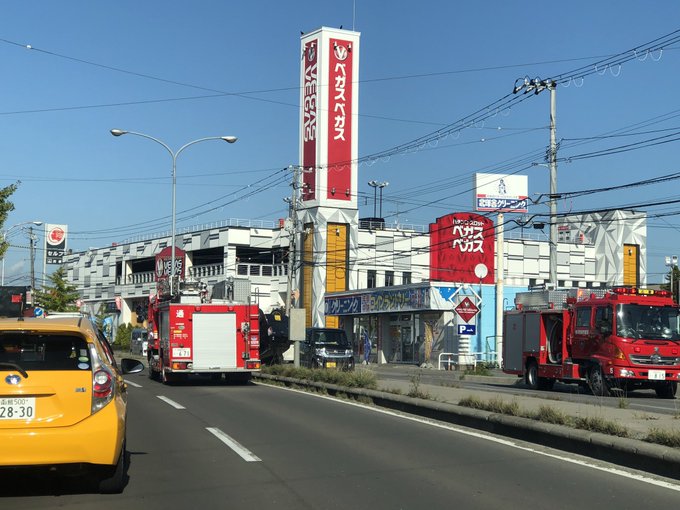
(552, 87)
(291, 228)
(537, 86)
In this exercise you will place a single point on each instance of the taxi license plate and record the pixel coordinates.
(17, 408)
(330, 364)
(656, 375)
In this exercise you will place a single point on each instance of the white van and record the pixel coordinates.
(139, 341)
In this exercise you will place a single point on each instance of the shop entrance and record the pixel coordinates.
(403, 345)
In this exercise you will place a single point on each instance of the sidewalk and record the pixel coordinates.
(446, 388)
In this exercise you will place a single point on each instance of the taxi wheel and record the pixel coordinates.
(113, 481)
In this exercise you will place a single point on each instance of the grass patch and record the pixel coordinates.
(664, 437)
(354, 379)
(415, 391)
(478, 369)
(595, 424)
(495, 405)
(547, 414)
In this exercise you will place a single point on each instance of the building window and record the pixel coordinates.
(371, 279)
(406, 278)
(389, 278)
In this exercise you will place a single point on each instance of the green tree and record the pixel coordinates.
(58, 297)
(6, 207)
(124, 336)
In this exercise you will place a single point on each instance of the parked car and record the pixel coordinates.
(326, 348)
(139, 341)
(63, 399)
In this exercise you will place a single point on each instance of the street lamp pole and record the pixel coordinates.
(228, 139)
(381, 185)
(374, 185)
(6, 233)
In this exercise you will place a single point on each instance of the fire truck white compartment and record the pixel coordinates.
(521, 335)
(513, 341)
(214, 341)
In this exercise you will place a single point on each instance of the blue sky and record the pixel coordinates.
(180, 71)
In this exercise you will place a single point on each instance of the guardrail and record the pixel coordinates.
(464, 358)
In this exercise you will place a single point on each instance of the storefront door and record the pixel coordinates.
(407, 345)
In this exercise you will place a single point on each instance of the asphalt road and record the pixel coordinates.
(255, 446)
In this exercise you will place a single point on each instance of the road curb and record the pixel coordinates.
(632, 453)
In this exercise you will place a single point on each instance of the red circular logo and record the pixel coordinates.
(56, 235)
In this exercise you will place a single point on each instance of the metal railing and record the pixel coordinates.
(210, 270)
(464, 358)
(206, 271)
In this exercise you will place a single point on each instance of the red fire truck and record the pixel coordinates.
(611, 341)
(188, 335)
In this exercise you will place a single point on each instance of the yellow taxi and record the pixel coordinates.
(63, 398)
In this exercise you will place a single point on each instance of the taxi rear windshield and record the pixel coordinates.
(43, 352)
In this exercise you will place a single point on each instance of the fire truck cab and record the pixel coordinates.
(611, 341)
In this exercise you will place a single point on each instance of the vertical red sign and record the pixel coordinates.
(163, 265)
(340, 120)
(309, 125)
(460, 242)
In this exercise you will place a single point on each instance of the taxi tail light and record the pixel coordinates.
(102, 389)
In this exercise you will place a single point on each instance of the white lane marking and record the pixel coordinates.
(132, 384)
(171, 402)
(245, 454)
(512, 444)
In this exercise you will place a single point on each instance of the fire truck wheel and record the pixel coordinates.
(165, 377)
(666, 389)
(153, 375)
(531, 375)
(597, 382)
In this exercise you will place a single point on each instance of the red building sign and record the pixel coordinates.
(458, 243)
(340, 120)
(163, 265)
(309, 122)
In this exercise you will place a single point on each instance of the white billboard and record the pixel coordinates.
(501, 193)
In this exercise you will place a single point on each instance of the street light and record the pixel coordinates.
(228, 139)
(375, 185)
(5, 234)
(381, 185)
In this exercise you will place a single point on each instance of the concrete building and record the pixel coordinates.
(393, 261)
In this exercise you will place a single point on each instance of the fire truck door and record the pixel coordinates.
(582, 330)
(602, 328)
